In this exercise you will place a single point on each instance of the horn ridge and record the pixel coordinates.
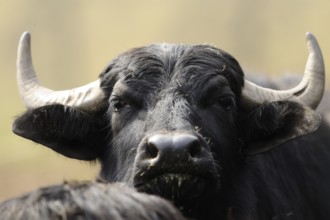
(87, 98)
(308, 92)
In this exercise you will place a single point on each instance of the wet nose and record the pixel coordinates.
(175, 147)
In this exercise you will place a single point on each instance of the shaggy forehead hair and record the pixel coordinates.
(158, 64)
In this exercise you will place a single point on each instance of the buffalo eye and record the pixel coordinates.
(227, 102)
(117, 104)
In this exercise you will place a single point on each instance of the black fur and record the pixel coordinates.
(270, 119)
(65, 130)
(287, 182)
(88, 201)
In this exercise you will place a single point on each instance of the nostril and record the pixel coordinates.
(151, 150)
(195, 149)
(188, 143)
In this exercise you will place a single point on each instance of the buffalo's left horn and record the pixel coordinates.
(309, 92)
(87, 98)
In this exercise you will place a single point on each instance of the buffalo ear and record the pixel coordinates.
(272, 124)
(65, 130)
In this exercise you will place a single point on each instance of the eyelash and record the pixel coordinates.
(226, 102)
(117, 104)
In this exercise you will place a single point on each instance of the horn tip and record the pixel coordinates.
(310, 36)
(25, 36)
(312, 44)
(26, 33)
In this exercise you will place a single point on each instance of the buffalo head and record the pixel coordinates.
(171, 120)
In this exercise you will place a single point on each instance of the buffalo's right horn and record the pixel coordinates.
(87, 98)
(309, 92)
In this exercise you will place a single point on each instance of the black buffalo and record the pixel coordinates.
(180, 121)
(88, 201)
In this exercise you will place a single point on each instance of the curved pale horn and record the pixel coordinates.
(309, 92)
(87, 98)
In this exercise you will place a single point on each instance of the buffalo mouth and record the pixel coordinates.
(181, 188)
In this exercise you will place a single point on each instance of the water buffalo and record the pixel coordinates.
(88, 201)
(181, 122)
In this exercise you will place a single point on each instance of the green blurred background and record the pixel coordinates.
(72, 40)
